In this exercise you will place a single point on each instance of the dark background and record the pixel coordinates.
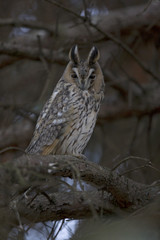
(32, 59)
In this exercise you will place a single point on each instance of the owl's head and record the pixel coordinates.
(86, 74)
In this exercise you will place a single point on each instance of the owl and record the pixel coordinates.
(68, 118)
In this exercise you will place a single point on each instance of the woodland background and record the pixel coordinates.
(35, 38)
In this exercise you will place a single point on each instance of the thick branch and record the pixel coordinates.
(62, 205)
(39, 203)
(28, 24)
(32, 53)
(127, 193)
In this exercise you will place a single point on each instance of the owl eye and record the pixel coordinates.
(73, 75)
(92, 76)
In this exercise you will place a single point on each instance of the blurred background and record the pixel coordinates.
(35, 38)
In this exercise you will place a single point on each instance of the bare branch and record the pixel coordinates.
(123, 111)
(28, 24)
(110, 36)
(146, 7)
(125, 191)
(37, 204)
(32, 53)
(63, 205)
(66, 9)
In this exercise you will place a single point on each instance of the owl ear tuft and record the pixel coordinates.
(93, 56)
(74, 55)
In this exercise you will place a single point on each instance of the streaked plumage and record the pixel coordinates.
(68, 118)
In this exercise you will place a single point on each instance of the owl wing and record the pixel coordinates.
(54, 120)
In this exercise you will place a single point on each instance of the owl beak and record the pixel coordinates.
(82, 85)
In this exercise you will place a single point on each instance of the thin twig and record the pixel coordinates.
(141, 167)
(41, 54)
(27, 24)
(66, 9)
(133, 169)
(59, 229)
(150, 116)
(145, 9)
(46, 66)
(154, 168)
(128, 159)
(134, 134)
(85, 9)
(129, 77)
(11, 148)
(52, 231)
(108, 36)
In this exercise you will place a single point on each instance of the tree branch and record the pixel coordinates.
(38, 197)
(124, 190)
(57, 206)
(123, 111)
(32, 53)
(109, 36)
(28, 24)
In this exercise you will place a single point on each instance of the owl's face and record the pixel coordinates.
(84, 73)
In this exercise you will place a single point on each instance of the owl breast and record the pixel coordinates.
(81, 126)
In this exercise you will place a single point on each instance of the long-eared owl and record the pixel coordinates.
(67, 120)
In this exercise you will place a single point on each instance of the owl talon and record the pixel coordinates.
(52, 167)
